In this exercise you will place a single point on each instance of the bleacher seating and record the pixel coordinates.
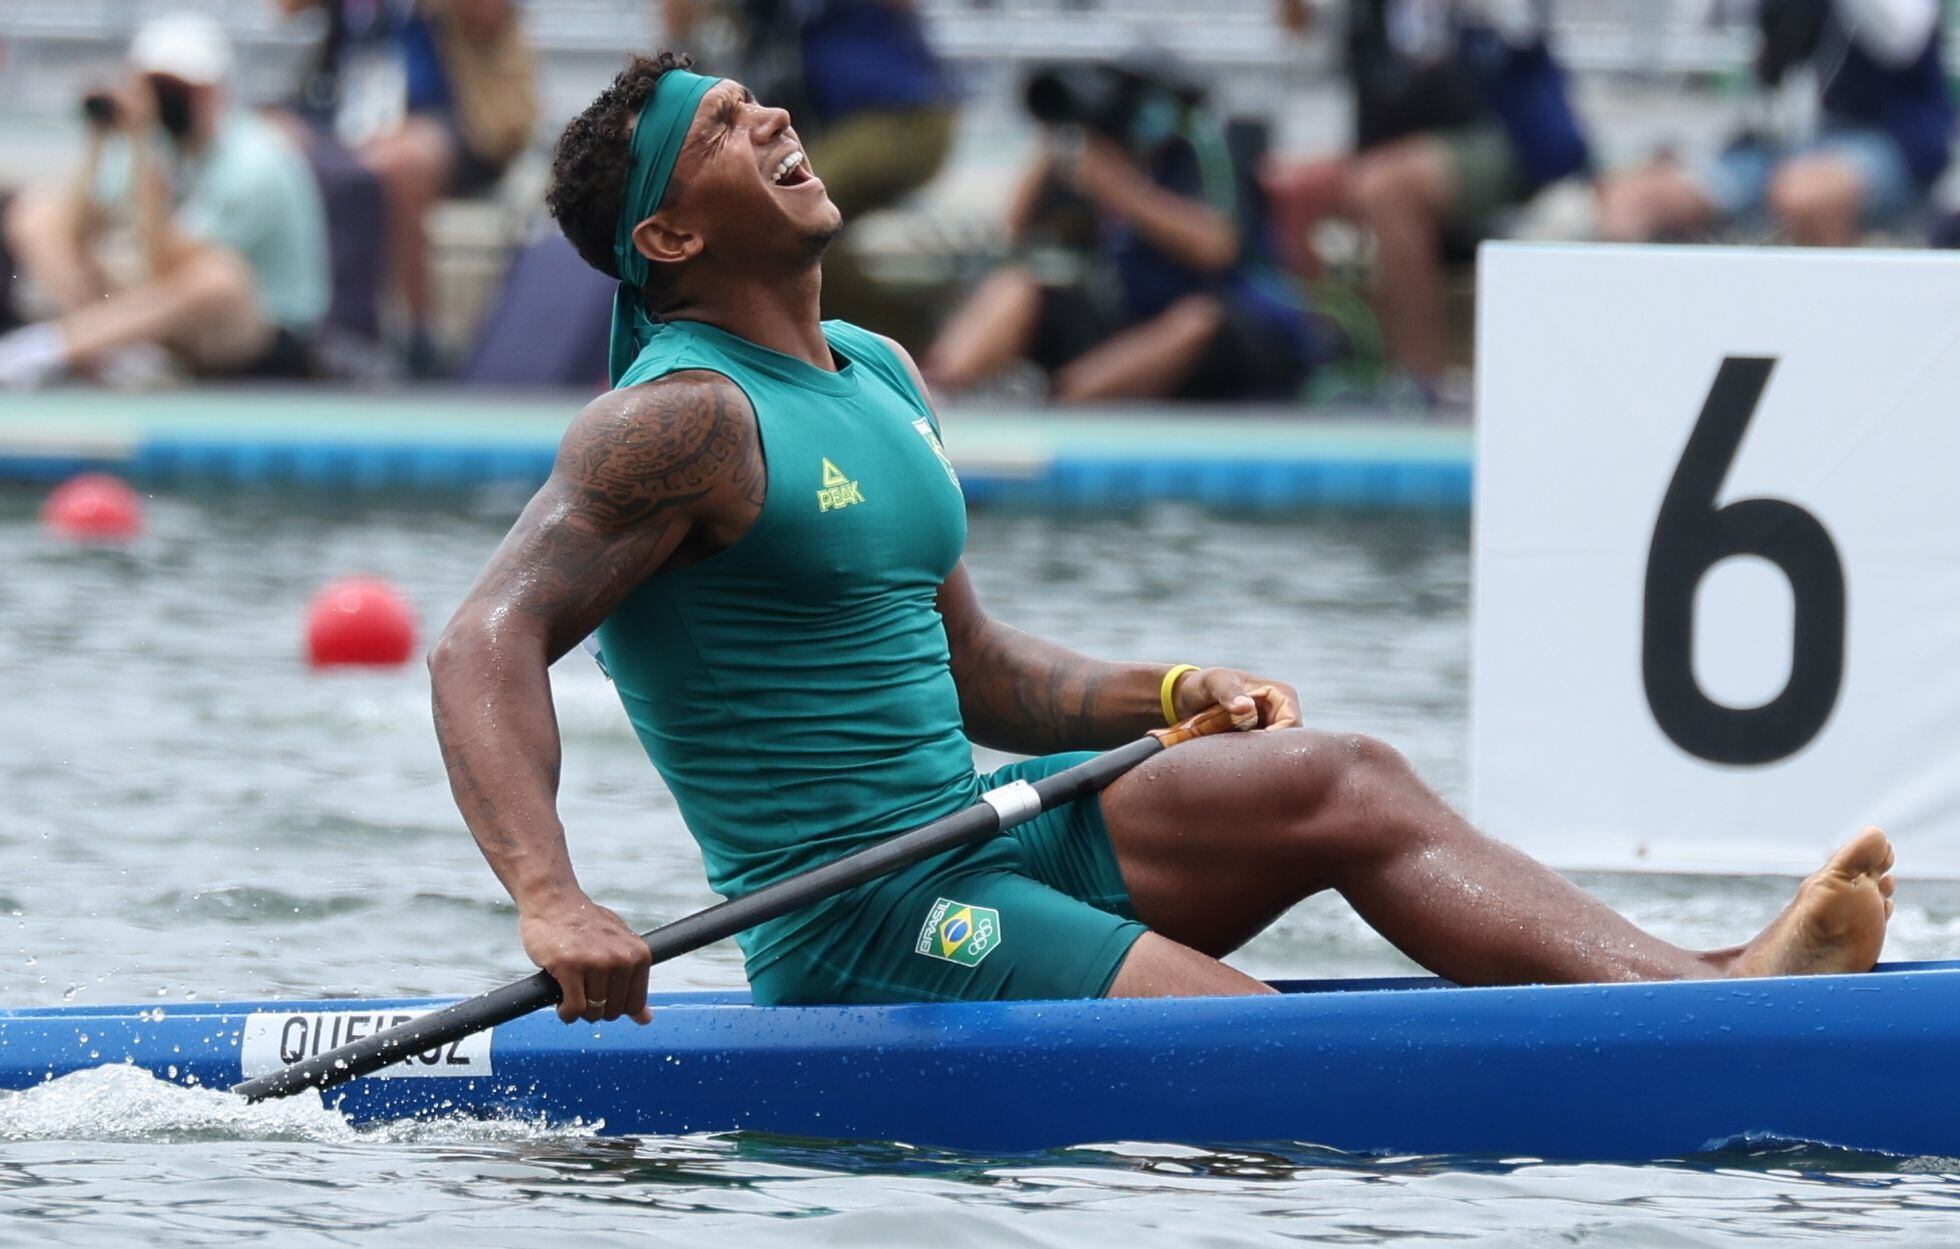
(52, 50)
(49, 43)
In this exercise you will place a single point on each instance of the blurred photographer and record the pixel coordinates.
(1460, 112)
(435, 98)
(1865, 134)
(193, 231)
(1152, 281)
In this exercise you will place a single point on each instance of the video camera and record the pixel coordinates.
(102, 111)
(1110, 98)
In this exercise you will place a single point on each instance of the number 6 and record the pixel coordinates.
(1691, 536)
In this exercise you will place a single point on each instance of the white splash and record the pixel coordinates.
(126, 1103)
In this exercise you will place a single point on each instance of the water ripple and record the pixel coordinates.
(243, 904)
(192, 813)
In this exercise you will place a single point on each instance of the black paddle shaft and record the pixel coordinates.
(724, 919)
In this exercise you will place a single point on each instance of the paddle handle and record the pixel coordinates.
(535, 992)
(1204, 724)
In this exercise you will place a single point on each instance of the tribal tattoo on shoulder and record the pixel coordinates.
(639, 473)
(662, 451)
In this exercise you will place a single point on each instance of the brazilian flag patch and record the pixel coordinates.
(959, 932)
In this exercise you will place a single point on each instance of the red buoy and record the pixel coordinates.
(93, 507)
(359, 620)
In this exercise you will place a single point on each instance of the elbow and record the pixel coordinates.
(482, 642)
(1217, 252)
(980, 727)
(463, 641)
(445, 657)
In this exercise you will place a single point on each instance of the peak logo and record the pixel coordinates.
(838, 490)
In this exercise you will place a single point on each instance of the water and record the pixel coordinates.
(191, 813)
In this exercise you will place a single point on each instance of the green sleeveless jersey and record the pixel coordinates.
(794, 690)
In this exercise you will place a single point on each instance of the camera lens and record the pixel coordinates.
(99, 108)
(1049, 99)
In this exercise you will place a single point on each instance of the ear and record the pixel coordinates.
(660, 242)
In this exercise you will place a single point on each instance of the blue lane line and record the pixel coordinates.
(1249, 485)
(1074, 479)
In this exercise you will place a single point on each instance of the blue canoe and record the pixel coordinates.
(1619, 1072)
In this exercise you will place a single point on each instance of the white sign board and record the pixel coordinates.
(1717, 569)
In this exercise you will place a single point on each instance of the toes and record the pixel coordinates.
(1869, 853)
(1886, 885)
(1888, 908)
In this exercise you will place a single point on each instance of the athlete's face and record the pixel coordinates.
(746, 183)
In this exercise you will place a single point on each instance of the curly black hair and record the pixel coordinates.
(594, 155)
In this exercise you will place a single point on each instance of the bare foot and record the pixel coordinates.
(1836, 923)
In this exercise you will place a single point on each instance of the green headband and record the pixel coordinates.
(657, 140)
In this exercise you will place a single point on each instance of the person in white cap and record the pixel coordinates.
(222, 265)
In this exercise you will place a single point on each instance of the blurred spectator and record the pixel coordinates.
(1460, 112)
(436, 97)
(873, 105)
(1159, 287)
(220, 259)
(1881, 138)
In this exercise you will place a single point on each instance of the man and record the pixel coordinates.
(436, 98)
(1460, 112)
(1882, 141)
(229, 271)
(761, 525)
(1168, 296)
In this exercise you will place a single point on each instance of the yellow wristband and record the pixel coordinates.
(1170, 687)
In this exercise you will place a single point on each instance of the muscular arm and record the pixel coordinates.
(645, 477)
(1031, 696)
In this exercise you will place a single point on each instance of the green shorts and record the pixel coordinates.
(1038, 912)
(1484, 163)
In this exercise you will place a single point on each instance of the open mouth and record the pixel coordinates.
(792, 170)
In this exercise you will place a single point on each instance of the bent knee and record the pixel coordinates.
(1327, 770)
(30, 218)
(1352, 792)
(1810, 190)
(1011, 281)
(1404, 177)
(1375, 183)
(214, 276)
(1372, 766)
(1199, 316)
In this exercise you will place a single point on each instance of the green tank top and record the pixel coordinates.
(794, 690)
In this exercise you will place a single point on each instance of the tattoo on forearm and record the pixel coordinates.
(1023, 692)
